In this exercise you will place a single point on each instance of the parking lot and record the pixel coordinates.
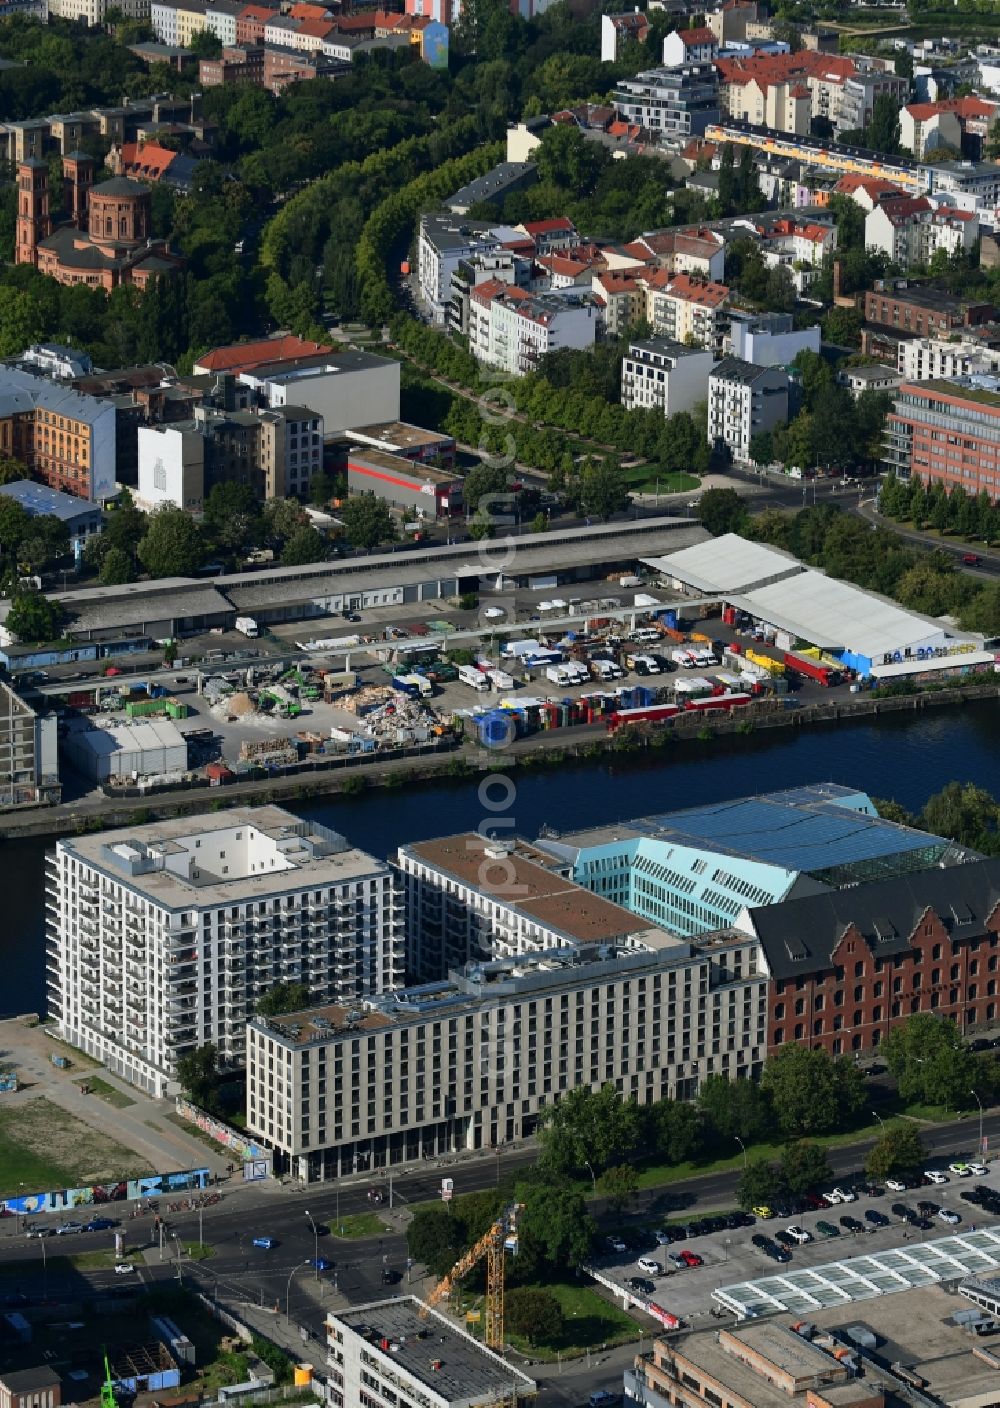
(729, 1255)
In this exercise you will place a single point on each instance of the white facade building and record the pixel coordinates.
(399, 1352)
(666, 376)
(163, 19)
(511, 330)
(162, 937)
(618, 30)
(472, 1062)
(744, 401)
(171, 467)
(443, 242)
(910, 230)
(768, 339)
(88, 12)
(344, 389)
(931, 359)
(689, 46)
(220, 19)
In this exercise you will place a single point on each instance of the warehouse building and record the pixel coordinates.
(863, 632)
(82, 519)
(417, 488)
(471, 1062)
(126, 618)
(127, 752)
(163, 937)
(697, 870)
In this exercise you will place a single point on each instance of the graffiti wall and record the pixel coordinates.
(130, 1190)
(233, 1139)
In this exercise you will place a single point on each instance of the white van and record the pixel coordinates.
(474, 678)
(646, 635)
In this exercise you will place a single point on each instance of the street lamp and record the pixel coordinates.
(312, 1224)
(743, 1147)
(980, 1104)
(177, 1244)
(288, 1287)
(593, 1175)
(880, 1119)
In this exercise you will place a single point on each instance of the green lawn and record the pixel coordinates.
(42, 1147)
(195, 1251)
(358, 1224)
(105, 1091)
(646, 476)
(589, 1321)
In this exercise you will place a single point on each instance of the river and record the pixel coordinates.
(902, 756)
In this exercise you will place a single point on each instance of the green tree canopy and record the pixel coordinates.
(533, 1314)
(722, 511)
(198, 1075)
(589, 1129)
(33, 617)
(735, 1108)
(557, 1229)
(761, 1183)
(811, 1092)
(172, 546)
(367, 521)
(487, 481)
(929, 1062)
(283, 997)
(805, 1167)
(305, 545)
(618, 1185)
(899, 1150)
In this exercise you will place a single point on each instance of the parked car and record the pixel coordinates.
(39, 1232)
(960, 1168)
(876, 1218)
(640, 1285)
(760, 1240)
(677, 1260)
(903, 1211)
(814, 1201)
(604, 1398)
(68, 1227)
(827, 1229)
(926, 1208)
(763, 1211)
(651, 1267)
(777, 1253)
(851, 1224)
(934, 1175)
(798, 1234)
(692, 1259)
(946, 1215)
(99, 1224)
(390, 1276)
(970, 1195)
(895, 1185)
(845, 1195)
(616, 1244)
(124, 1268)
(979, 1169)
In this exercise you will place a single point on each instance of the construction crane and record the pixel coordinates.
(108, 1399)
(493, 1245)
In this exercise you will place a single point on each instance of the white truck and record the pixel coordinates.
(475, 679)
(501, 680)
(247, 626)
(558, 674)
(605, 670)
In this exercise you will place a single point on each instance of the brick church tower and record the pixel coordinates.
(33, 220)
(78, 178)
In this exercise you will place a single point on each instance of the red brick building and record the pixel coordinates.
(947, 433)
(847, 966)
(894, 310)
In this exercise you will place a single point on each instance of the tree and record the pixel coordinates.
(760, 1184)
(722, 511)
(33, 618)
(15, 523)
(890, 810)
(367, 521)
(11, 470)
(173, 546)
(116, 568)
(735, 1108)
(965, 813)
(485, 480)
(619, 1184)
(322, 488)
(589, 1129)
(198, 1075)
(283, 997)
(435, 1239)
(231, 516)
(929, 1062)
(899, 1150)
(601, 491)
(811, 1092)
(205, 44)
(305, 545)
(556, 1227)
(882, 133)
(675, 1131)
(805, 1167)
(534, 1315)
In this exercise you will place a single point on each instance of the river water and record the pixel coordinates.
(901, 756)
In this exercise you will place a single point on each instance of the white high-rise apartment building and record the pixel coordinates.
(163, 937)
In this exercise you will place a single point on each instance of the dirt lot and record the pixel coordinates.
(37, 1135)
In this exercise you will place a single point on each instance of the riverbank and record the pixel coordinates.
(550, 749)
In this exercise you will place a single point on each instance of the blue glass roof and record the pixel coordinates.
(807, 829)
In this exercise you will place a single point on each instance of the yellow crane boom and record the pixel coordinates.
(491, 1245)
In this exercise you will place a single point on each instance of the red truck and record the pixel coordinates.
(652, 714)
(825, 675)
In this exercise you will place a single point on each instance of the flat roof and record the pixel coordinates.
(526, 879)
(136, 736)
(311, 854)
(40, 499)
(860, 1278)
(728, 563)
(383, 463)
(398, 433)
(420, 1338)
(702, 1347)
